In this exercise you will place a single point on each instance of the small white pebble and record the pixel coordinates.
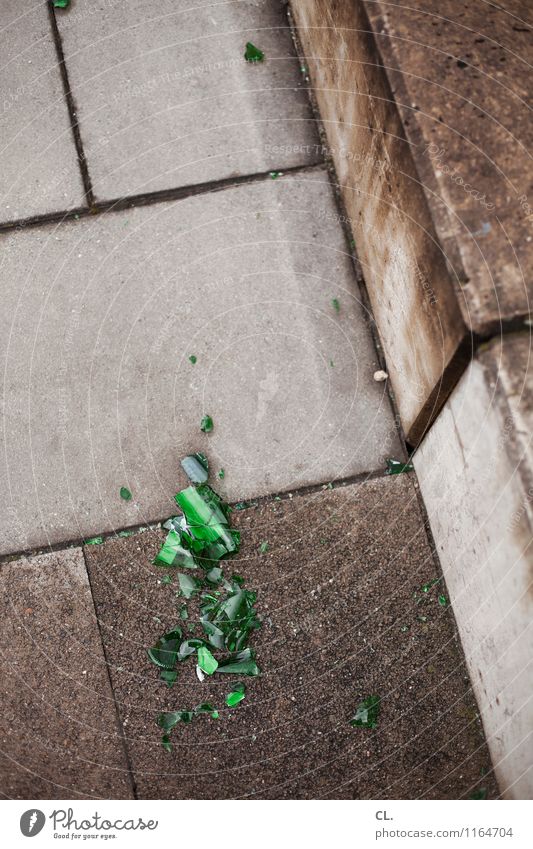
(380, 375)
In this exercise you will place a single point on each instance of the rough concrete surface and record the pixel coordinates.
(99, 390)
(171, 100)
(59, 735)
(40, 171)
(335, 589)
(482, 521)
(462, 85)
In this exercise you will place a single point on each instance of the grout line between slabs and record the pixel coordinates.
(253, 501)
(151, 198)
(71, 106)
(120, 726)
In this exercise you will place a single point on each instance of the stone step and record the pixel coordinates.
(429, 137)
(476, 476)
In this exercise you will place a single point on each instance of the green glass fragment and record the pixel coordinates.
(184, 613)
(206, 661)
(189, 647)
(166, 579)
(94, 541)
(332, 364)
(165, 742)
(165, 652)
(206, 707)
(196, 467)
(335, 304)
(193, 359)
(168, 720)
(241, 663)
(367, 713)
(125, 493)
(480, 793)
(221, 474)
(252, 53)
(191, 627)
(169, 676)
(443, 601)
(236, 695)
(263, 548)
(207, 522)
(206, 425)
(274, 174)
(61, 4)
(173, 553)
(396, 467)
(214, 576)
(189, 586)
(125, 534)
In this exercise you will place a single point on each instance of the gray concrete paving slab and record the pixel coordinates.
(336, 592)
(40, 171)
(59, 736)
(165, 98)
(100, 318)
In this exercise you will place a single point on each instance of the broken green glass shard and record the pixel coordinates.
(263, 548)
(214, 576)
(173, 553)
(396, 467)
(443, 601)
(189, 586)
(169, 676)
(61, 4)
(165, 742)
(241, 663)
(274, 174)
(166, 579)
(206, 661)
(94, 541)
(193, 359)
(480, 793)
(236, 695)
(189, 647)
(125, 534)
(168, 720)
(208, 708)
(426, 587)
(196, 467)
(221, 474)
(207, 522)
(125, 493)
(165, 652)
(367, 713)
(335, 304)
(184, 612)
(206, 425)
(252, 53)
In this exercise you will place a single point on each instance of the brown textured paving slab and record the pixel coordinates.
(462, 84)
(40, 171)
(58, 723)
(99, 319)
(335, 590)
(165, 98)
